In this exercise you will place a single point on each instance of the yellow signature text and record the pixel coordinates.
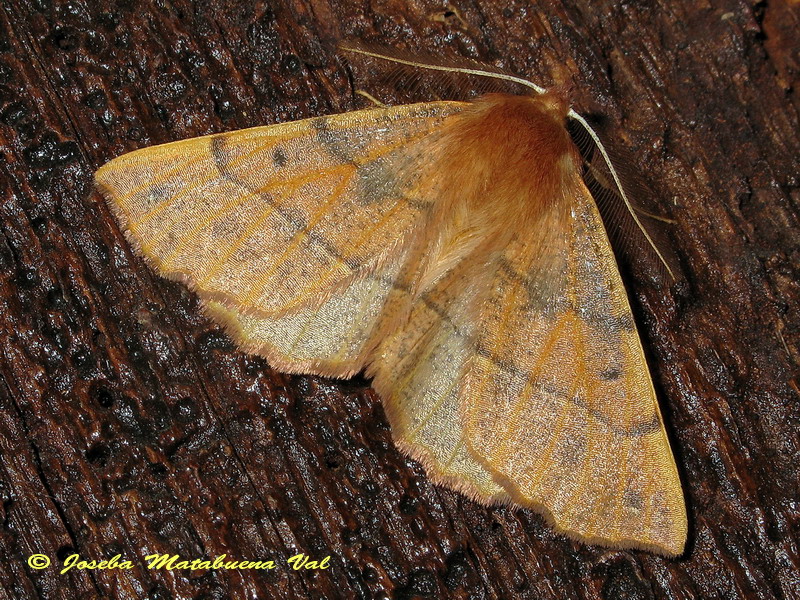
(174, 561)
(115, 562)
(301, 561)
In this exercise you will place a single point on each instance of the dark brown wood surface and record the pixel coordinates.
(130, 425)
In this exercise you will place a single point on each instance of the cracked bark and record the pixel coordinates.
(129, 424)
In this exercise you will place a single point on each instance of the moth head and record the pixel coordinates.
(554, 103)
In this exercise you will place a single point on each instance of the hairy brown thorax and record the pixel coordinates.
(500, 167)
(505, 154)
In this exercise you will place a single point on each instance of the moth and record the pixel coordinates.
(453, 253)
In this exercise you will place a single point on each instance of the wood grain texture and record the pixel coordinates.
(129, 424)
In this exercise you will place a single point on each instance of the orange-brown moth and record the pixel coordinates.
(451, 251)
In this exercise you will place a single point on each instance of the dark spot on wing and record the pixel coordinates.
(642, 428)
(220, 157)
(633, 499)
(339, 143)
(572, 448)
(295, 219)
(157, 192)
(279, 157)
(623, 322)
(376, 181)
(611, 373)
(599, 315)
